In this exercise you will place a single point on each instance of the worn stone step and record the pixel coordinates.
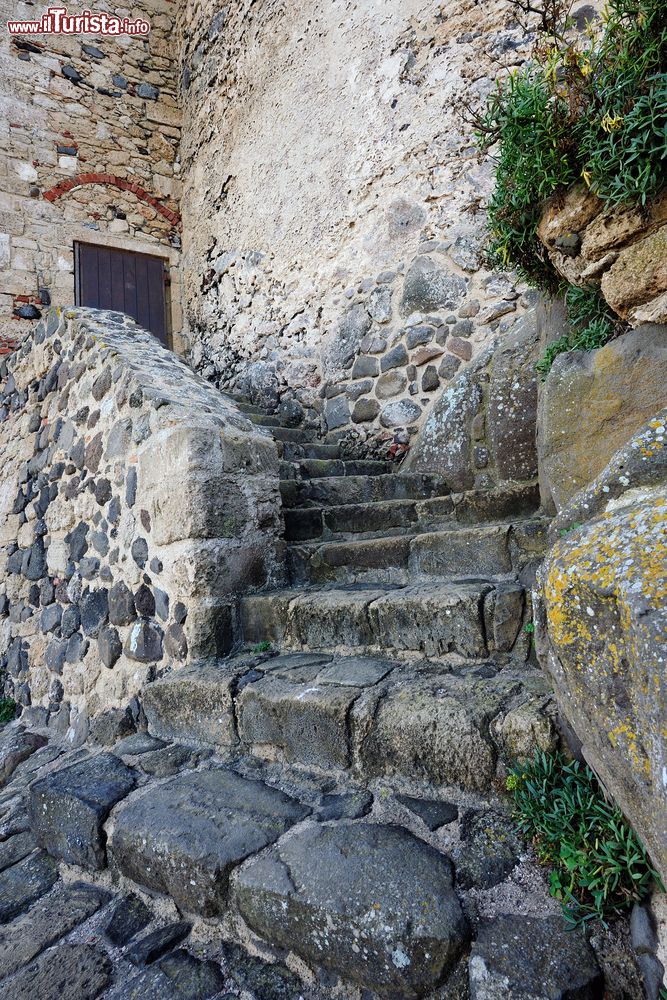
(265, 419)
(338, 490)
(319, 468)
(251, 408)
(402, 516)
(291, 452)
(471, 618)
(298, 435)
(480, 551)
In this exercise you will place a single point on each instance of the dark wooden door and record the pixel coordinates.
(133, 283)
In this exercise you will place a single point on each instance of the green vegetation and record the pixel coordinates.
(599, 867)
(262, 647)
(591, 325)
(589, 107)
(7, 710)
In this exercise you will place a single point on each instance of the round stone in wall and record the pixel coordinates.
(400, 413)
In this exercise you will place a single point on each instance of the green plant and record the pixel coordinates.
(7, 710)
(262, 647)
(591, 324)
(599, 865)
(588, 106)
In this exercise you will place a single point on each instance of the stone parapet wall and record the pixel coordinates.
(90, 131)
(136, 503)
(337, 216)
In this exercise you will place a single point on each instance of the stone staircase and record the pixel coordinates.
(330, 796)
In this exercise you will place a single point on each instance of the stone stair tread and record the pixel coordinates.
(335, 490)
(320, 468)
(299, 435)
(290, 451)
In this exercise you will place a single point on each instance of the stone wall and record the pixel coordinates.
(136, 503)
(90, 129)
(333, 202)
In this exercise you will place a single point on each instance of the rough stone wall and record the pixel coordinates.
(136, 502)
(90, 128)
(333, 201)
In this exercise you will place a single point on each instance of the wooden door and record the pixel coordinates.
(133, 283)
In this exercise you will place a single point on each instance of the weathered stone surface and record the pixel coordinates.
(639, 274)
(592, 403)
(428, 287)
(69, 972)
(268, 981)
(195, 703)
(16, 848)
(16, 745)
(69, 806)
(479, 552)
(25, 882)
(372, 903)
(512, 400)
(130, 915)
(47, 920)
(184, 837)
(604, 591)
(170, 760)
(488, 851)
(400, 413)
(152, 946)
(433, 619)
(179, 976)
(433, 812)
(532, 958)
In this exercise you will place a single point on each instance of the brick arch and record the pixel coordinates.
(111, 180)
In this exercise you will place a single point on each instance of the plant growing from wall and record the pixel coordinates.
(588, 107)
(599, 867)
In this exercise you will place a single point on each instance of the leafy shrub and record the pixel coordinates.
(599, 865)
(589, 106)
(591, 323)
(7, 710)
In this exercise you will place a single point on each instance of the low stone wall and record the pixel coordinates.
(621, 250)
(136, 502)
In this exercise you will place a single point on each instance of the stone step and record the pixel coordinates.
(291, 452)
(372, 716)
(367, 520)
(321, 468)
(337, 490)
(490, 550)
(251, 408)
(474, 618)
(265, 419)
(298, 435)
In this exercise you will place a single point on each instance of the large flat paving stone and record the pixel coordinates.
(179, 976)
(25, 882)
(531, 958)
(47, 920)
(195, 703)
(68, 808)
(16, 848)
(184, 837)
(70, 972)
(371, 903)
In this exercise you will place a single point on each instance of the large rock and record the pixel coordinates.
(194, 703)
(69, 807)
(531, 958)
(25, 882)
(70, 972)
(371, 903)
(591, 404)
(16, 745)
(605, 594)
(428, 287)
(184, 837)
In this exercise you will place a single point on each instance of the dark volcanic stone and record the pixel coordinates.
(25, 882)
(130, 915)
(157, 943)
(176, 643)
(350, 806)
(47, 920)
(533, 958)
(144, 643)
(78, 542)
(183, 837)
(370, 902)
(77, 647)
(432, 811)
(138, 743)
(110, 726)
(488, 852)
(144, 601)
(15, 849)
(56, 652)
(94, 609)
(69, 972)
(192, 978)
(139, 551)
(109, 645)
(68, 807)
(268, 981)
(70, 621)
(121, 605)
(50, 618)
(16, 745)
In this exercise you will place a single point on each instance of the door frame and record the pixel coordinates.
(166, 272)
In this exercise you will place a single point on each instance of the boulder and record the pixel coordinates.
(591, 404)
(68, 808)
(606, 618)
(371, 903)
(530, 958)
(183, 837)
